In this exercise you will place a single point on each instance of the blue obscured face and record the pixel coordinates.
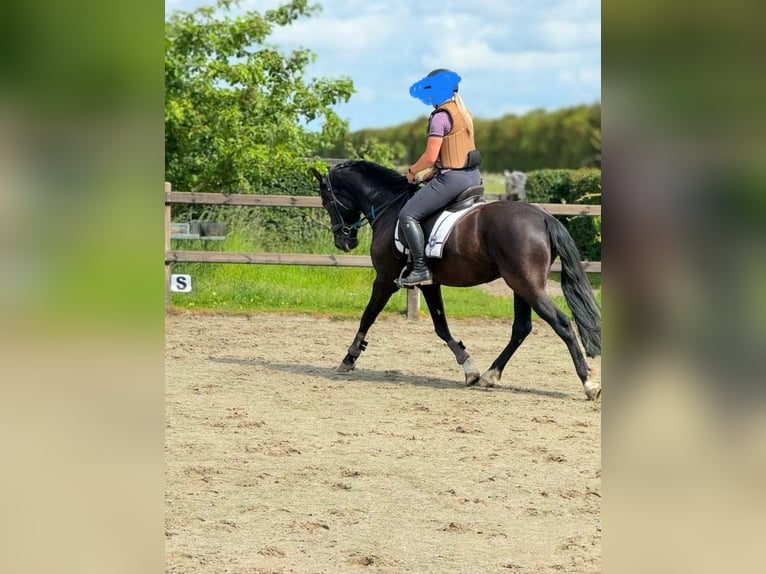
(436, 89)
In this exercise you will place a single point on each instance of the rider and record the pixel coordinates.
(451, 156)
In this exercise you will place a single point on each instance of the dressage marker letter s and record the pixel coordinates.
(180, 283)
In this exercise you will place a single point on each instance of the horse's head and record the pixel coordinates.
(344, 214)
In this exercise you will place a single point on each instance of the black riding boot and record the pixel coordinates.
(413, 235)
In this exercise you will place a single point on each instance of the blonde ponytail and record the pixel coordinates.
(464, 112)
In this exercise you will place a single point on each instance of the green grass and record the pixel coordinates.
(338, 292)
(494, 183)
(341, 292)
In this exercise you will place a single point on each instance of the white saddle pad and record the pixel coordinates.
(439, 234)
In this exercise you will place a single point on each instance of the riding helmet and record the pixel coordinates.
(436, 88)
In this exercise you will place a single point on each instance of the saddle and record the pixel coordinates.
(466, 199)
(437, 227)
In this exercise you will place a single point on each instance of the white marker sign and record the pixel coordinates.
(180, 283)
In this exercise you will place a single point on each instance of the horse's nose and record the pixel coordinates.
(342, 244)
(346, 244)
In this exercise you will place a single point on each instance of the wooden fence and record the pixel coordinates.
(190, 198)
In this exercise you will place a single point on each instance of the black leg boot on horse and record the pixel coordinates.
(413, 236)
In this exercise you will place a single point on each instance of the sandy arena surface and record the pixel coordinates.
(275, 463)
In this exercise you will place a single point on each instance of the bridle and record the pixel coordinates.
(336, 204)
(345, 228)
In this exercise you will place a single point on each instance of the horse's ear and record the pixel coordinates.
(317, 175)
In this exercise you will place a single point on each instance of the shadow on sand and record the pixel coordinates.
(368, 375)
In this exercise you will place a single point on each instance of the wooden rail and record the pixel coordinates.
(267, 258)
(242, 199)
(252, 200)
(174, 256)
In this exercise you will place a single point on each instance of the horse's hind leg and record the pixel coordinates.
(522, 326)
(382, 289)
(544, 306)
(433, 297)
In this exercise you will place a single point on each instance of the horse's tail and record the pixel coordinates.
(577, 290)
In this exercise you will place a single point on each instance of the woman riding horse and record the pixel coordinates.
(510, 239)
(452, 158)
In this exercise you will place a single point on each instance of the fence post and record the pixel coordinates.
(168, 188)
(413, 304)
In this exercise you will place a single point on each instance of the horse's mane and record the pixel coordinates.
(383, 177)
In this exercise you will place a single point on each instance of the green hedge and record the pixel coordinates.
(571, 186)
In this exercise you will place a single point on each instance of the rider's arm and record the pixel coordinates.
(429, 156)
(440, 125)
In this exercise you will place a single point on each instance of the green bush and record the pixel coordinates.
(571, 186)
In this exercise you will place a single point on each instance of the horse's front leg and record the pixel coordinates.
(433, 297)
(381, 293)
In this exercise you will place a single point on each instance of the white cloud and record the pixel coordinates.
(514, 56)
(568, 35)
(478, 56)
(574, 10)
(344, 38)
(589, 76)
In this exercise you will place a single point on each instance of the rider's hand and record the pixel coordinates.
(411, 177)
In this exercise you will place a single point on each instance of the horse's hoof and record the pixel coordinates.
(345, 367)
(472, 375)
(471, 379)
(489, 379)
(592, 390)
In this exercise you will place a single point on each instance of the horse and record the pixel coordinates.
(513, 240)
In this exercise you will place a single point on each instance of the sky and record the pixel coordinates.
(513, 55)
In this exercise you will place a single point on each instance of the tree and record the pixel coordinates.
(539, 139)
(237, 109)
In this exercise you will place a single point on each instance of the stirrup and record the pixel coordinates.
(398, 280)
(407, 282)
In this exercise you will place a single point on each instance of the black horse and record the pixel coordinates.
(513, 240)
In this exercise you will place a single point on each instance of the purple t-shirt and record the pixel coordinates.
(441, 124)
